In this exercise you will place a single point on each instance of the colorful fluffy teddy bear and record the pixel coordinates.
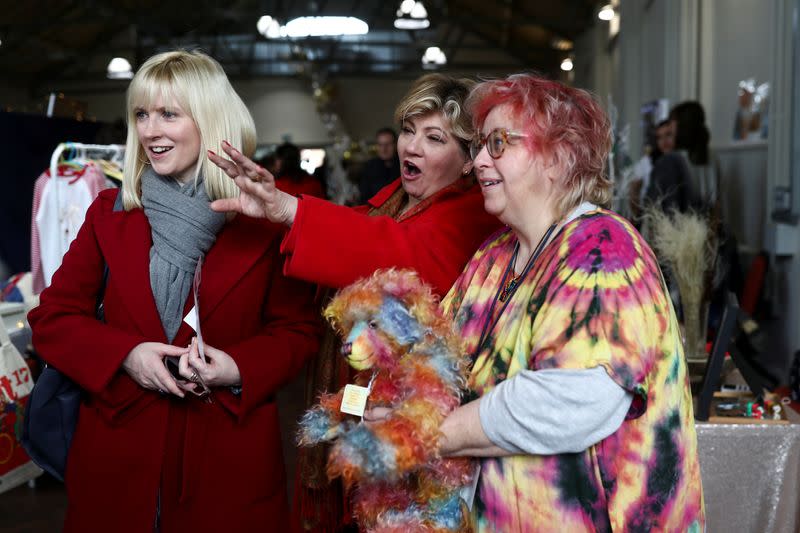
(411, 358)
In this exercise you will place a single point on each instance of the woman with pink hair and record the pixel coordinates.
(580, 409)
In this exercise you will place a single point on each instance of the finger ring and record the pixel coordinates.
(161, 391)
(194, 377)
(256, 178)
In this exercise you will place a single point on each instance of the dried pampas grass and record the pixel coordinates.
(685, 243)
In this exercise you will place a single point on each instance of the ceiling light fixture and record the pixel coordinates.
(325, 26)
(434, 57)
(269, 27)
(419, 11)
(412, 16)
(119, 69)
(301, 27)
(606, 12)
(567, 65)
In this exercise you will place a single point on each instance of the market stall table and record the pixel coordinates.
(751, 476)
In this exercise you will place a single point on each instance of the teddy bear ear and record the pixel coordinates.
(398, 321)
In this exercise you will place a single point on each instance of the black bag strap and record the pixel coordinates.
(99, 310)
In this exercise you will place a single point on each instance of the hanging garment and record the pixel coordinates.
(58, 215)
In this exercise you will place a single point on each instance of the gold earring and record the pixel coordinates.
(145, 162)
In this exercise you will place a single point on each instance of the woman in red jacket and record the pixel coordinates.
(148, 455)
(431, 219)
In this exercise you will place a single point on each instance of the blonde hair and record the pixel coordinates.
(197, 83)
(439, 93)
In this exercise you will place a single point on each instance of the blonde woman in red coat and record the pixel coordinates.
(430, 219)
(148, 455)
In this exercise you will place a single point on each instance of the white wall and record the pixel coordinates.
(283, 107)
(743, 190)
(595, 63)
(736, 34)
(643, 43)
(367, 104)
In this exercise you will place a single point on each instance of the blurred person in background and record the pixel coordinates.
(290, 176)
(381, 170)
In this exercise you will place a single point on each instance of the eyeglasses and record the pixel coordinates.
(495, 142)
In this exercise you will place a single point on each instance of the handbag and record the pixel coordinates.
(51, 413)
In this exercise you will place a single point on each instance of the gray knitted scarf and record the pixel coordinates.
(183, 227)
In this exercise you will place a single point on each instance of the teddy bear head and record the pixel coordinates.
(381, 317)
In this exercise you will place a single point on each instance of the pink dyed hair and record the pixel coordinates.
(562, 123)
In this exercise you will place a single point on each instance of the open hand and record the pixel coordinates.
(259, 197)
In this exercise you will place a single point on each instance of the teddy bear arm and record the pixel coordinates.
(332, 404)
(324, 422)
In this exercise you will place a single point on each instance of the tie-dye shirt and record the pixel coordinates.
(595, 297)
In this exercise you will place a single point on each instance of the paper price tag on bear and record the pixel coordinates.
(354, 399)
(410, 360)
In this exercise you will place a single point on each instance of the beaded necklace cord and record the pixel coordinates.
(509, 284)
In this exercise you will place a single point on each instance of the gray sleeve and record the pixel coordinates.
(553, 411)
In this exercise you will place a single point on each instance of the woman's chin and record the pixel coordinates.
(492, 206)
(412, 185)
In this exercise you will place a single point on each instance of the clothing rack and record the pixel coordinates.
(117, 151)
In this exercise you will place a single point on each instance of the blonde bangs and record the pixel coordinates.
(198, 85)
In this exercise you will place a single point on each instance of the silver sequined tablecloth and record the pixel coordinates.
(751, 477)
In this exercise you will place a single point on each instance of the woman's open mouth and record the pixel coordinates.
(410, 170)
(157, 151)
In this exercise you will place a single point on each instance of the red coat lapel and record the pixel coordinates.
(125, 241)
(239, 245)
(384, 194)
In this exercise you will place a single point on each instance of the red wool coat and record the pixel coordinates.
(215, 466)
(334, 245)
